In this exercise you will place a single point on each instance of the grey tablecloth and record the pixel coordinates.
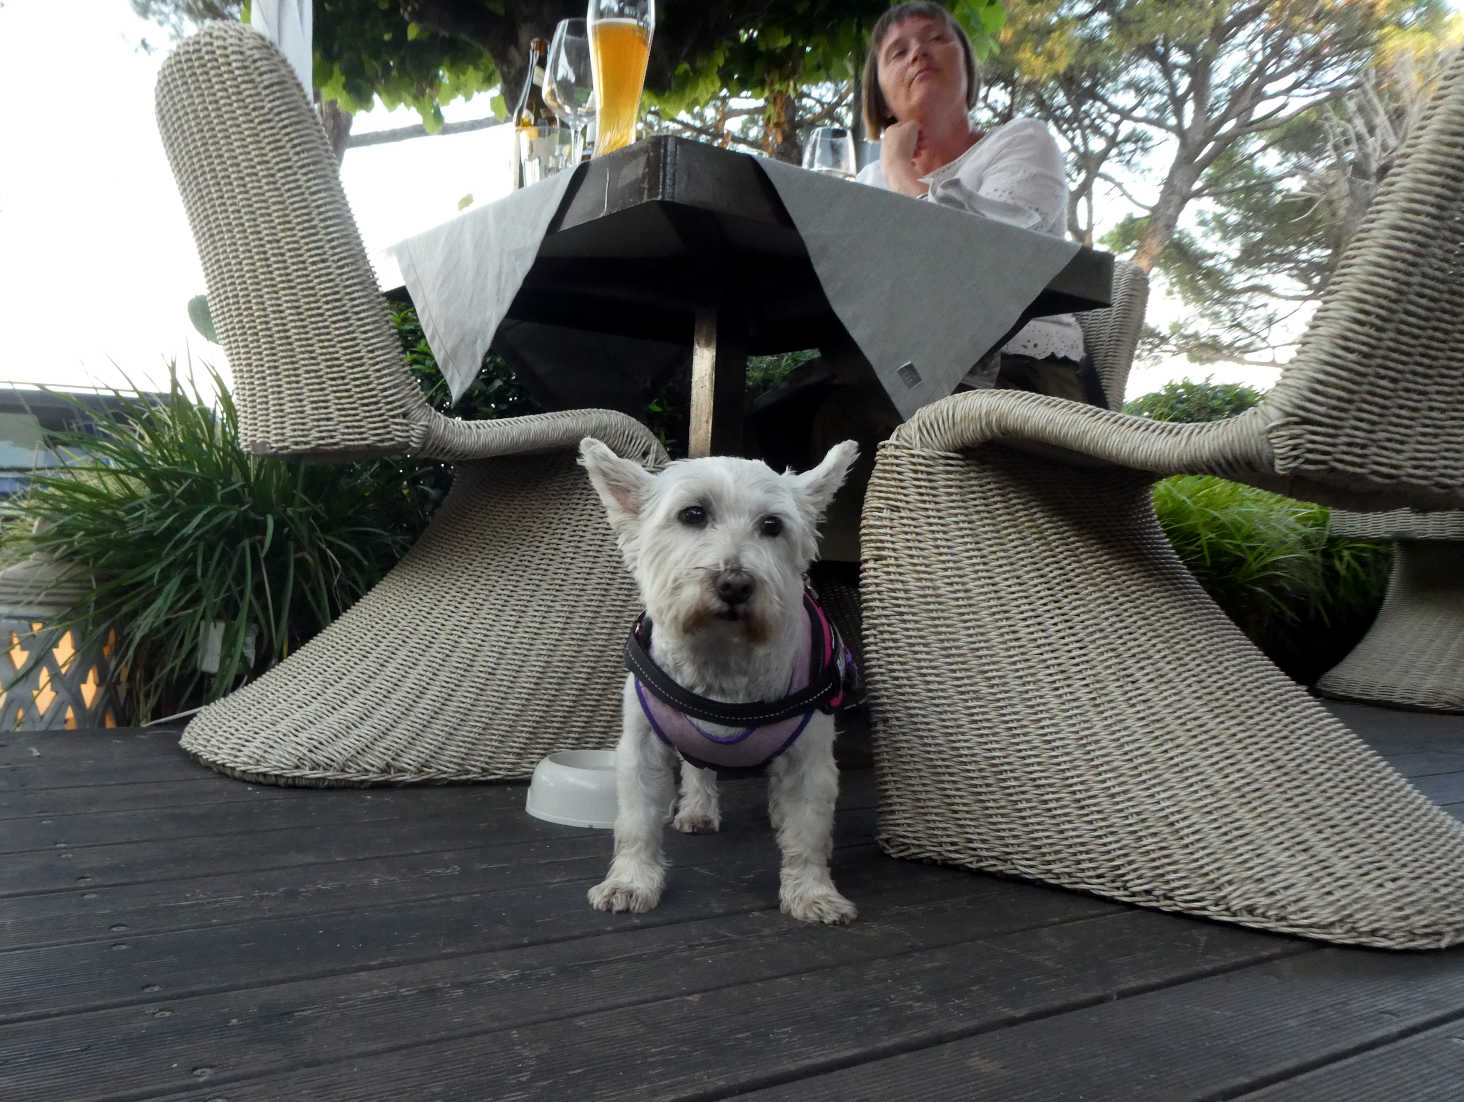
(923, 290)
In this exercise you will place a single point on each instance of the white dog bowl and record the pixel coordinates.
(574, 788)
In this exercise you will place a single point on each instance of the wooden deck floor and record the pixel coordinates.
(167, 933)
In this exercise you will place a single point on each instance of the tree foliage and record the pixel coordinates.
(718, 62)
(1210, 119)
(1259, 252)
(1134, 81)
(1188, 401)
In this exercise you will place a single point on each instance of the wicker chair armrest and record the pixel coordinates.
(1398, 524)
(451, 439)
(1238, 448)
(1084, 435)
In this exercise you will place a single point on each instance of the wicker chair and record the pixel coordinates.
(1110, 336)
(1053, 695)
(1413, 655)
(497, 638)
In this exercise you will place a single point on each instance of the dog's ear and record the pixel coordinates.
(819, 485)
(623, 485)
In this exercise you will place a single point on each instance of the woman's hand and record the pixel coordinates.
(898, 147)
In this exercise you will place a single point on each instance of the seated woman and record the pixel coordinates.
(920, 84)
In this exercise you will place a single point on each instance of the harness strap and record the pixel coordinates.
(830, 671)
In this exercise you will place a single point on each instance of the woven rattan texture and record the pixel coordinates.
(316, 366)
(1375, 396)
(1110, 336)
(478, 654)
(1398, 524)
(1053, 696)
(1413, 655)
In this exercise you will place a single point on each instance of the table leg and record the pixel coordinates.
(718, 385)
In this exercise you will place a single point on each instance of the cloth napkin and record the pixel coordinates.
(924, 290)
(463, 274)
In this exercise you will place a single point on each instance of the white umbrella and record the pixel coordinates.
(286, 23)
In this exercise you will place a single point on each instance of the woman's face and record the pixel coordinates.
(921, 69)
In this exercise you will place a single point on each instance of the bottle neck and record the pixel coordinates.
(531, 109)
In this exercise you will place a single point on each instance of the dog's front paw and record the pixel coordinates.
(821, 903)
(616, 894)
(692, 820)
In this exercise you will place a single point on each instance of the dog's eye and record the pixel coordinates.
(693, 516)
(770, 526)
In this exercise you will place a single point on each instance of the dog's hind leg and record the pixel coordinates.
(803, 785)
(645, 784)
(698, 811)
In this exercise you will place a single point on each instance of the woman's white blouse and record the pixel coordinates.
(1015, 175)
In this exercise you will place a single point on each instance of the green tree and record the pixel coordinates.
(1282, 207)
(1129, 82)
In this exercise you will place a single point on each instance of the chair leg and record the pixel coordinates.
(495, 640)
(1053, 696)
(1413, 655)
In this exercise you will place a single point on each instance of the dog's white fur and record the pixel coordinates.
(735, 652)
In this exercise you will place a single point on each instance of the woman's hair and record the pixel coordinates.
(876, 111)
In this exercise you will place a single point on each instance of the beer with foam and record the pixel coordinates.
(619, 49)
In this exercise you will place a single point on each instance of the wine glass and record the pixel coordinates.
(568, 81)
(620, 45)
(830, 149)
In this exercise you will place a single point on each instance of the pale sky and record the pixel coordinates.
(96, 260)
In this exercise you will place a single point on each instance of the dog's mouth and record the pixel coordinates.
(730, 613)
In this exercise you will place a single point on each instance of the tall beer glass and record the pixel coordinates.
(620, 44)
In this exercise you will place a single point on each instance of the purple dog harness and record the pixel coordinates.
(824, 678)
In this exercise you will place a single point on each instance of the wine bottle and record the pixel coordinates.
(534, 124)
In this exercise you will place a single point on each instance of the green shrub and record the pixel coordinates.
(1189, 401)
(494, 392)
(179, 527)
(1303, 596)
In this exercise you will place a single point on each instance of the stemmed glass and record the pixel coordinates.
(620, 45)
(568, 81)
(830, 149)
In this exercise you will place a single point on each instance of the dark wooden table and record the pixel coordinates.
(676, 240)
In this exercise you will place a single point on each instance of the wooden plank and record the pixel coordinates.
(496, 818)
(97, 745)
(1393, 731)
(725, 1035)
(260, 808)
(166, 764)
(86, 799)
(1442, 788)
(276, 848)
(1215, 1037)
(1428, 1067)
(227, 899)
(154, 918)
(449, 934)
(1425, 763)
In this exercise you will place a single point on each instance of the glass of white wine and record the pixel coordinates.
(569, 85)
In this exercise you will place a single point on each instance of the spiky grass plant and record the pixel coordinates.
(1301, 595)
(178, 528)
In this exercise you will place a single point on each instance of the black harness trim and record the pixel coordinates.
(825, 682)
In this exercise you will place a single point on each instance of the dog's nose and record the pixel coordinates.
(735, 586)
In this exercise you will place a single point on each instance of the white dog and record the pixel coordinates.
(719, 548)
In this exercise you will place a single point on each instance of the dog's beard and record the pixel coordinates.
(745, 623)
